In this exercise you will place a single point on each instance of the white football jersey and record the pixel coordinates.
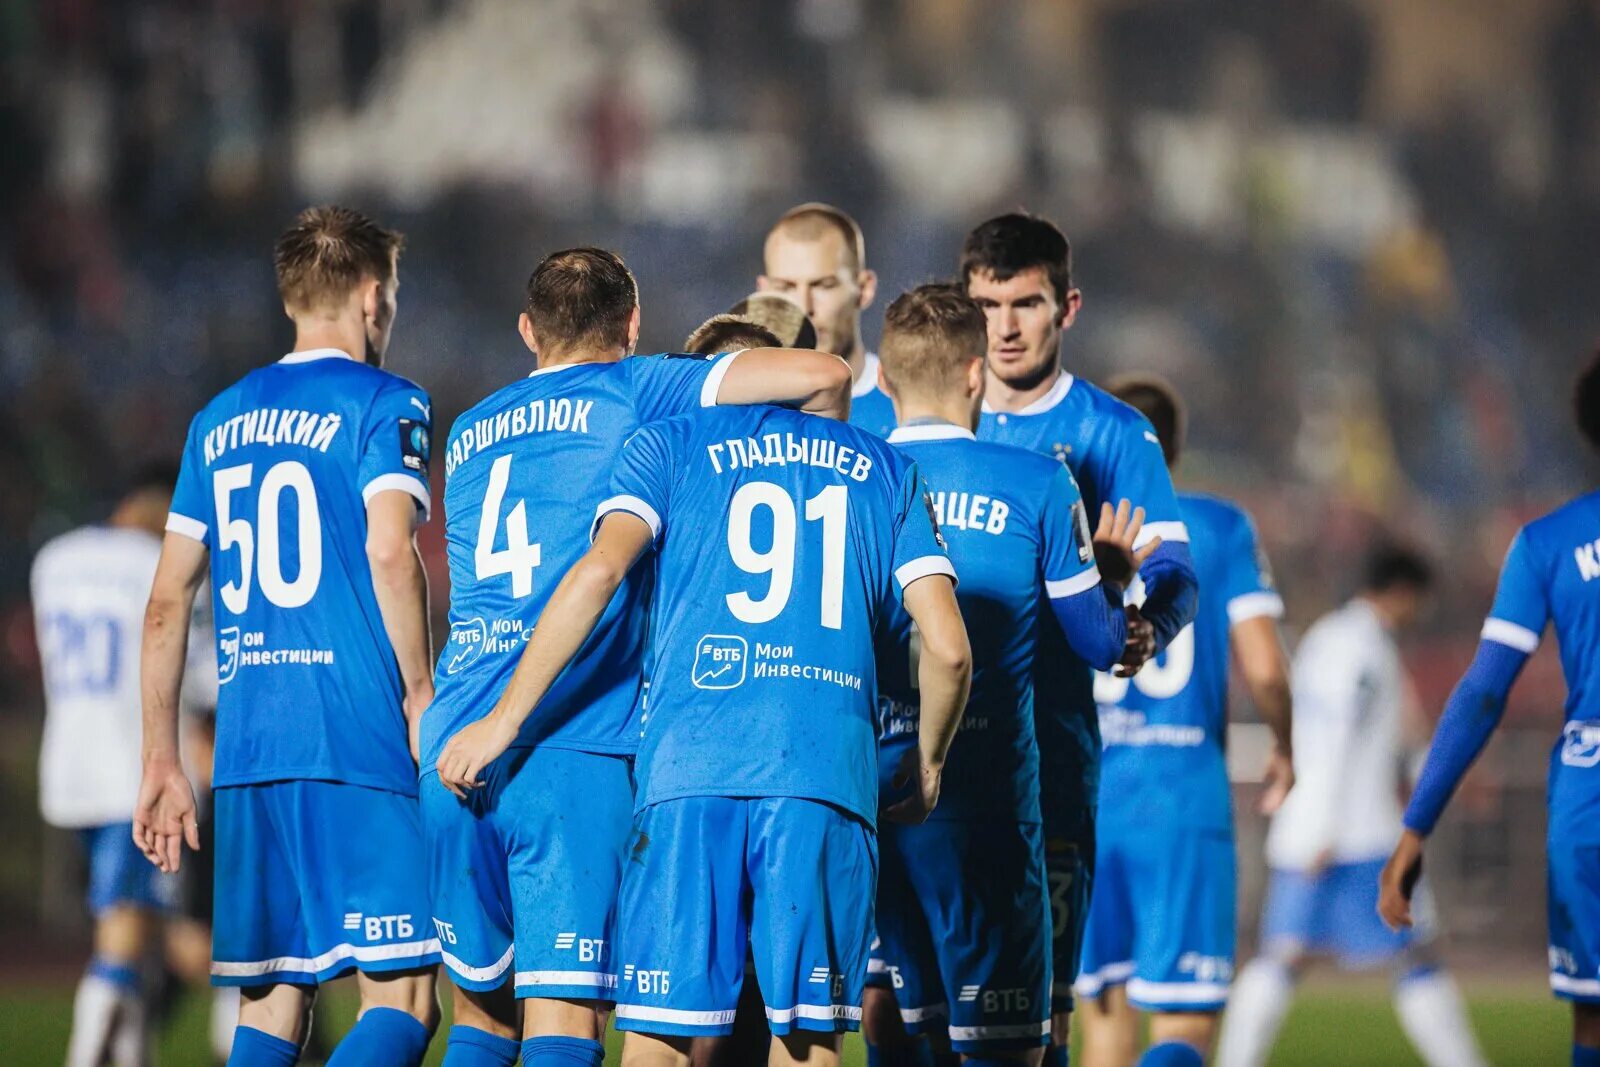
(90, 587)
(1349, 689)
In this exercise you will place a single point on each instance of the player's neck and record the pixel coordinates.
(1014, 396)
(957, 411)
(857, 358)
(571, 357)
(349, 337)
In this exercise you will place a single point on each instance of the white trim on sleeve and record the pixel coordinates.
(1254, 606)
(193, 529)
(1082, 582)
(1168, 532)
(923, 566)
(1509, 634)
(713, 383)
(405, 483)
(633, 506)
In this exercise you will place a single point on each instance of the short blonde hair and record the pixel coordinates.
(328, 252)
(930, 335)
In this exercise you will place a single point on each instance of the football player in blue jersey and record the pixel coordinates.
(1019, 270)
(963, 915)
(525, 872)
(816, 256)
(1160, 934)
(1551, 577)
(781, 541)
(300, 490)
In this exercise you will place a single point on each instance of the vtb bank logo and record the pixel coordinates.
(720, 661)
(227, 654)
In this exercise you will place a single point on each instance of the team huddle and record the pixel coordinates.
(790, 688)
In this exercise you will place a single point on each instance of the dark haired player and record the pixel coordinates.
(1018, 268)
(525, 871)
(1551, 576)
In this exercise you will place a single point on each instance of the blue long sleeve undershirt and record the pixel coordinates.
(1095, 625)
(1171, 590)
(1474, 710)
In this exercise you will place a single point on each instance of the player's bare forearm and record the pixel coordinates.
(179, 572)
(944, 676)
(401, 586)
(1258, 649)
(816, 382)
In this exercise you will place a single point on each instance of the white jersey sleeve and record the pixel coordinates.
(90, 588)
(1348, 694)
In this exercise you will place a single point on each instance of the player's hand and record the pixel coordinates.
(164, 815)
(924, 798)
(471, 750)
(1399, 880)
(1276, 781)
(1140, 645)
(1113, 543)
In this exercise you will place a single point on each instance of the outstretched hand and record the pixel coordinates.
(1114, 539)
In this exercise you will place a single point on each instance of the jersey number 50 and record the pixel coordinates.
(293, 476)
(1159, 679)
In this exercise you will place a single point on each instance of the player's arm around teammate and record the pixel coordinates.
(401, 586)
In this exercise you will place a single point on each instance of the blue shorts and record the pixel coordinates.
(964, 931)
(528, 869)
(1162, 919)
(1335, 913)
(1573, 909)
(707, 876)
(119, 875)
(316, 879)
(1069, 875)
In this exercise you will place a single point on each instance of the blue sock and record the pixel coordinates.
(560, 1052)
(1055, 1056)
(1172, 1054)
(257, 1048)
(471, 1047)
(1584, 1056)
(383, 1035)
(916, 1052)
(120, 975)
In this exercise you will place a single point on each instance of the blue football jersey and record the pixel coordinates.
(782, 539)
(870, 407)
(1165, 728)
(1018, 536)
(275, 478)
(524, 471)
(1114, 454)
(1552, 575)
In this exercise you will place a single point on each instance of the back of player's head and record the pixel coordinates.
(729, 333)
(1586, 401)
(1157, 400)
(814, 221)
(1391, 566)
(931, 336)
(787, 320)
(1007, 245)
(581, 296)
(328, 252)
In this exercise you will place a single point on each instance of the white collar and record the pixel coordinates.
(311, 354)
(557, 366)
(1058, 393)
(869, 376)
(931, 431)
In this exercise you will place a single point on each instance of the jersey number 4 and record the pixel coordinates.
(291, 476)
(831, 506)
(519, 558)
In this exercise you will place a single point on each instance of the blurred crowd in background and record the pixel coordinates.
(1360, 236)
